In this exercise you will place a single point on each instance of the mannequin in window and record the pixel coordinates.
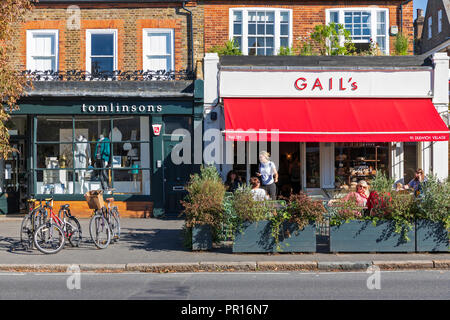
(102, 156)
(82, 159)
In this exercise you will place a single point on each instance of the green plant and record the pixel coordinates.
(230, 48)
(344, 210)
(306, 49)
(286, 51)
(381, 183)
(302, 210)
(401, 45)
(204, 202)
(333, 39)
(434, 202)
(276, 222)
(248, 209)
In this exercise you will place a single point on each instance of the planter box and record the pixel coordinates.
(256, 237)
(201, 237)
(431, 237)
(363, 236)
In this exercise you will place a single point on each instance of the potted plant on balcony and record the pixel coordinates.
(203, 207)
(433, 216)
(388, 226)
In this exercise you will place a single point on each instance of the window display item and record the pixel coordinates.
(115, 135)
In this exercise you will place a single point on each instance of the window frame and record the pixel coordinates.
(89, 33)
(145, 39)
(34, 169)
(373, 22)
(277, 24)
(430, 27)
(30, 55)
(439, 21)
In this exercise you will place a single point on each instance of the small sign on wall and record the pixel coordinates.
(156, 129)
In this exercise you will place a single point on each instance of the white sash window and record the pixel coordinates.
(42, 50)
(158, 49)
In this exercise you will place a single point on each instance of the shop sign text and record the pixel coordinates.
(120, 108)
(330, 84)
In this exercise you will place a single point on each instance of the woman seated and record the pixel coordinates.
(361, 195)
(258, 193)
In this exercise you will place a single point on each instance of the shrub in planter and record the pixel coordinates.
(252, 225)
(433, 216)
(302, 214)
(388, 228)
(203, 206)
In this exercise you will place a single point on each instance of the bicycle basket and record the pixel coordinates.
(94, 199)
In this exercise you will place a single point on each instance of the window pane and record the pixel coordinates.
(43, 44)
(260, 52)
(54, 155)
(381, 42)
(54, 181)
(134, 181)
(284, 42)
(269, 42)
(237, 15)
(334, 17)
(54, 129)
(238, 41)
(270, 29)
(156, 63)
(284, 16)
(237, 28)
(251, 28)
(251, 42)
(102, 64)
(102, 44)
(270, 17)
(312, 165)
(261, 29)
(260, 42)
(44, 64)
(284, 29)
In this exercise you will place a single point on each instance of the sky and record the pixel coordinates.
(419, 4)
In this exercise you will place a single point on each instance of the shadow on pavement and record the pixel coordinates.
(153, 239)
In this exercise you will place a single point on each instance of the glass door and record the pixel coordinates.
(312, 165)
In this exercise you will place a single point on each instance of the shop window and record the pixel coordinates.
(89, 153)
(355, 161)
(101, 50)
(365, 25)
(312, 165)
(158, 49)
(261, 31)
(42, 50)
(411, 163)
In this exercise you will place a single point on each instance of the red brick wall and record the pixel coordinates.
(306, 15)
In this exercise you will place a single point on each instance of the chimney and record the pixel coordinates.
(418, 28)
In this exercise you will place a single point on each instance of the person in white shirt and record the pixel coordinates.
(268, 173)
(258, 193)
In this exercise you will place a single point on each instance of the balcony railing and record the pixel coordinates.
(118, 75)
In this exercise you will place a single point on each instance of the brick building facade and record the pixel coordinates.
(305, 16)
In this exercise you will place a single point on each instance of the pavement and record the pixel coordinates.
(155, 245)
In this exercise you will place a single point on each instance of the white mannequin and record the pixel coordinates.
(82, 159)
(115, 135)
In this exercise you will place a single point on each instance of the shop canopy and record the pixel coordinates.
(333, 120)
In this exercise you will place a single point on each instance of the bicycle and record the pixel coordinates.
(51, 236)
(36, 216)
(104, 226)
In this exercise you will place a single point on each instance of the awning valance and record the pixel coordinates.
(333, 120)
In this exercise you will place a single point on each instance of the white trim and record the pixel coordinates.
(29, 41)
(277, 23)
(373, 21)
(89, 32)
(146, 32)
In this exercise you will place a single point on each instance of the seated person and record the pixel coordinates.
(361, 195)
(258, 193)
(417, 182)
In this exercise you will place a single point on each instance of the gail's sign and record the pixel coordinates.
(357, 83)
(329, 84)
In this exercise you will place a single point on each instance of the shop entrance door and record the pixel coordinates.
(15, 179)
(176, 177)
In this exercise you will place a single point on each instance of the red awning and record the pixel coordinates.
(333, 120)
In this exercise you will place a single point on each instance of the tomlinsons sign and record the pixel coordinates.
(120, 108)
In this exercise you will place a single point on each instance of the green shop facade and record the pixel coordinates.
(118, 136)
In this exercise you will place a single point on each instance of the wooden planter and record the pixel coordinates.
(201, 237)
(256, 237)
(431, 237)
(363, 236)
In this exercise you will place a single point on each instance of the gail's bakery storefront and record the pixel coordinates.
(338, 120)
(117, 136)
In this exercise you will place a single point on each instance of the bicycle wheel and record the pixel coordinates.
(100, 231)
(26, 232)
(115, 224)
(73, 231)
(49, 238)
